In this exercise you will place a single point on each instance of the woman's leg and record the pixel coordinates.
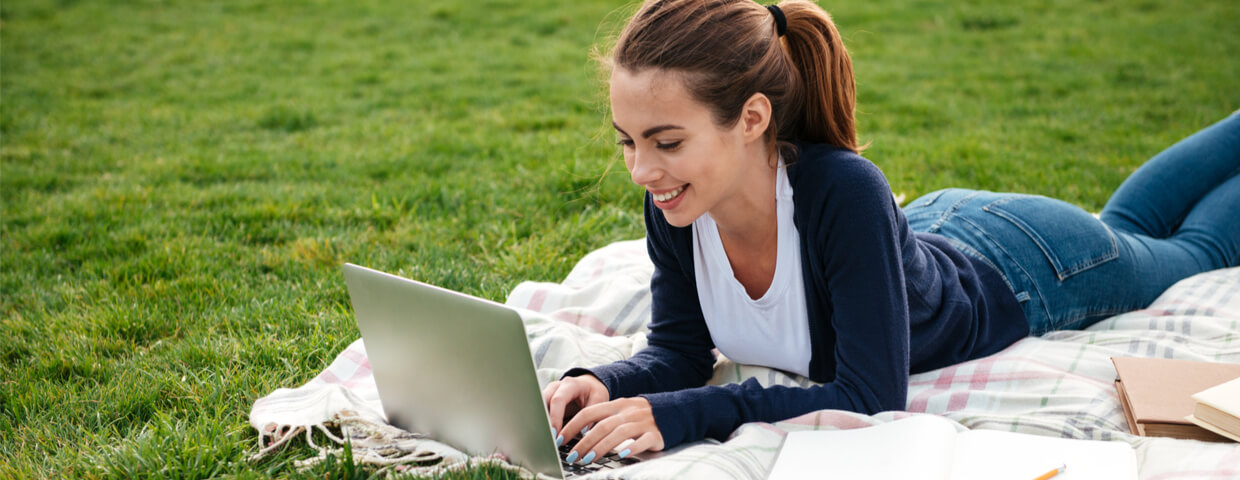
(1156, 199)
(1066, 268)
(1181, 210)
(1176, 216)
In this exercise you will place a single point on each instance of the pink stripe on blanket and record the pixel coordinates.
(536, 301)
(977, 381)
(598, 269)
(1174, 308)
(356, 366)
(980, 378)
(839, 419)
(992, 378)
(328, 377)
(981, 373)
(941, 384)
(360, 359)
(586, 321)
(772, 428)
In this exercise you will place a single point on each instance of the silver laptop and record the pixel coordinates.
(456, 368)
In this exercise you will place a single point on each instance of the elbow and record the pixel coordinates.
(703, 367)
(896, 401)
(868, 399)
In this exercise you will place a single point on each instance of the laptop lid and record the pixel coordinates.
(455, 367)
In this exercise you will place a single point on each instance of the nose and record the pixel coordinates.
(642, 168)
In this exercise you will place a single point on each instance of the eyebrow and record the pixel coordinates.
(650, 131)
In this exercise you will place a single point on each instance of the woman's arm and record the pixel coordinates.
(678, 355)
(679, 352)
(854, 250)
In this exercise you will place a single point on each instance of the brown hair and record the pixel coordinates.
(728, 50)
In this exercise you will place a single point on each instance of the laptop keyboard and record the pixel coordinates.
(609, 461)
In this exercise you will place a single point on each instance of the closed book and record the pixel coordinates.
(1157, 394)
(1217, 409)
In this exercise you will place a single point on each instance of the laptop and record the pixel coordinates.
(458, 369)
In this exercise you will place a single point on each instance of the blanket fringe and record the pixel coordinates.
(394, 450)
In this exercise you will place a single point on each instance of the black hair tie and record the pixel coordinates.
(781, 22)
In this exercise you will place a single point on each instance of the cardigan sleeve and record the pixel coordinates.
(679, 354)
(856, 234)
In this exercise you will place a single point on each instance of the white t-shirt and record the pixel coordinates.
(772, 331)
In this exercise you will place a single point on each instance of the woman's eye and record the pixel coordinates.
(624, 142)
(668, 145)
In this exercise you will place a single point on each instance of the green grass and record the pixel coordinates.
(181, 181)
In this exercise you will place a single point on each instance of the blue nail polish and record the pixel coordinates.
(571, 457)
(625, 453)
(559, 440)
(589, 458)
(584, 430)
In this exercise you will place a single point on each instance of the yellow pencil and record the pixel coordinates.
(1052, 473)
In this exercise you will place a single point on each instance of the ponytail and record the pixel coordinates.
(825, 69)
(728, 50)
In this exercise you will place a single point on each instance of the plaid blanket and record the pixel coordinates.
(1059, 384)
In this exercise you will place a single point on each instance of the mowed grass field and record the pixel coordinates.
(181, 181)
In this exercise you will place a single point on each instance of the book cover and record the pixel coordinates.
(1218, 409)
(1156, 394)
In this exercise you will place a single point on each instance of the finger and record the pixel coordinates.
(599, 431)
(617, 440)
(627, 419)
(630, 417)
(548, 390)
(569, 394)
(556, 405)
(651, 441)
(587, 417)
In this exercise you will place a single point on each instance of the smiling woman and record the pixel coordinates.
(777, 244)
(176, 179)
(687, 162)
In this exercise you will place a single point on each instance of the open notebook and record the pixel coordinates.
(929, 447)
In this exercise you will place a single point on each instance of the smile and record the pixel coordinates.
(663, 197)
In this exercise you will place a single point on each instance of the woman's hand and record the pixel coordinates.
(566, 397)
(627, 421)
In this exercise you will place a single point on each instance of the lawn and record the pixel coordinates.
(180, 181)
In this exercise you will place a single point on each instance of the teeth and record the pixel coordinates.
(669, 195)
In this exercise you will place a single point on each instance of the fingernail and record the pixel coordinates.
(572, 457)
(625, 453)
(589, 458)
(585, 429)
(559, 440)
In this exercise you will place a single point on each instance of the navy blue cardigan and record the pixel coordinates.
(883, 301)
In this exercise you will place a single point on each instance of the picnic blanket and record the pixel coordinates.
(1059, 384)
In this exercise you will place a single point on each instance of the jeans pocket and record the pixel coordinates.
(927, 199)
(1072, 239)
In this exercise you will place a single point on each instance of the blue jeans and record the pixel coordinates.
(1177, 215)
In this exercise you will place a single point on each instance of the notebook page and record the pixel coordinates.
(997, 455)
(916, 447)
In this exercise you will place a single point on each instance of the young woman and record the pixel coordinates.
(774, 241)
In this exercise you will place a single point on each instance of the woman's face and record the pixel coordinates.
(673, 147)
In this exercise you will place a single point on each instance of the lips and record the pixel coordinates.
(668, 196)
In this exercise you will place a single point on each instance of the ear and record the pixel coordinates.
(756, 117)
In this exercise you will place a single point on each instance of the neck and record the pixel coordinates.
(748, 218)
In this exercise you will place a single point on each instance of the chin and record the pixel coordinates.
(679, 221)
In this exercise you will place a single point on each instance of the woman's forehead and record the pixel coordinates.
(651, 95)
